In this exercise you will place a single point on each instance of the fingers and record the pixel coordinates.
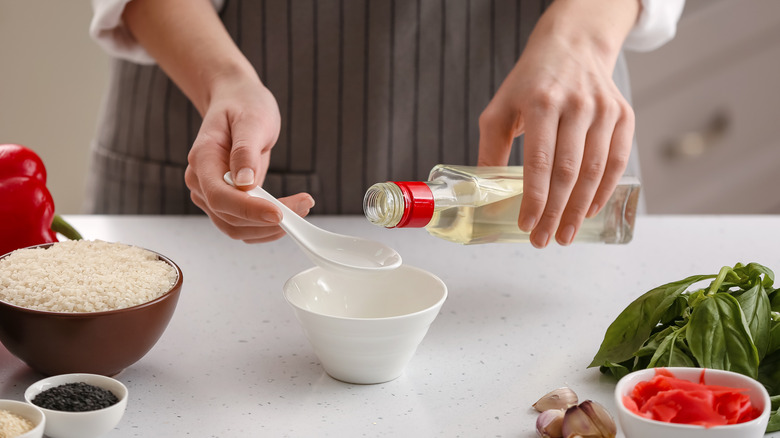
(617, 161)
(238, 131)
(253, 136)
(253, 220)
(239, 209)
(574, 158)
(496, 134)
(233, 211)
(540, 142)
(254, 234)
(567, 158)
(595, 153)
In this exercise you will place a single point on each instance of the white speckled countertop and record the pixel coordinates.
(518, 322)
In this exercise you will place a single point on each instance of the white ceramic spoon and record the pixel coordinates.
(327, 249)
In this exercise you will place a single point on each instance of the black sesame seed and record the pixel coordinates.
(75, 397)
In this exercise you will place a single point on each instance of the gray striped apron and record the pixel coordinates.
(368, 91)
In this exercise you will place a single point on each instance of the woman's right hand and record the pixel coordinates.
(240, 127)
(240, 116)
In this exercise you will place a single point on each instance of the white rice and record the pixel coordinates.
(83, 276)
(13, 425)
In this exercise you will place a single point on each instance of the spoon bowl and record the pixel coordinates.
(327, 249)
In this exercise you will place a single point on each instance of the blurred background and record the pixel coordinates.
(707, 103)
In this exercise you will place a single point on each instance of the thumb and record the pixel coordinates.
(498, 126)
(250, 153)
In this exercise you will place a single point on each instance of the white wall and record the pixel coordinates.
(706, 111)
(52, 77)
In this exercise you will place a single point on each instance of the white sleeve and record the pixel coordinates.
(656, 25)
(111, 34)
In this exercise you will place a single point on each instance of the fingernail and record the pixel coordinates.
(245, 177)
(541, 238)
(567, 234)
(593, 209)
(527, 224)
(271, 217)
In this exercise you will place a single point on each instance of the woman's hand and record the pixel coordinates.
(578, 127)
(240, 116)
(240, 126)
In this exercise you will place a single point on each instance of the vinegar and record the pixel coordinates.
(472, 205)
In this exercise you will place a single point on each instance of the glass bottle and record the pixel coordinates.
(469, 205)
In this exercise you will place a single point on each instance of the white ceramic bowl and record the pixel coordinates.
(635, 426)
(89, 424)
(365, 328)
(28, 411)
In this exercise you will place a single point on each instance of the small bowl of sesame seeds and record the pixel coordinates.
(20, 420)
(79, 405)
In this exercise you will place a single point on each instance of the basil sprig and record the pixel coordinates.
(732, 324)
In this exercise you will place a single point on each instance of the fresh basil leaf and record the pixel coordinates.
(747, 276)
(675, 311)
(663, 351)
(670, 353)
(756, 269)
(774, 417)
(653, 342)
(774, 297)
(616, 369)
(694, 298)
(755, 306)
(774, 337)
(717, 284)
(643, 356)
(633, 326)
(769, 374)
(641, 362)
(774, 422)
(719, 337)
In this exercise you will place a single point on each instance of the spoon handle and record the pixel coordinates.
(329, 249)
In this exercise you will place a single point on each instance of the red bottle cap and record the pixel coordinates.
(418, 203)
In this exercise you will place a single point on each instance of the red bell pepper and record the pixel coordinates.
(26, 207)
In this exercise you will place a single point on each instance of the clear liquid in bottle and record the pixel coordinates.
(474, 205)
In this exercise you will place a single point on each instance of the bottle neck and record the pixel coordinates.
(399, 204)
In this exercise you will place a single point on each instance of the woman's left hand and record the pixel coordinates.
(578, 126)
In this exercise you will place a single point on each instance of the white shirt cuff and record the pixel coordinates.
(656, 25)
(111, 34)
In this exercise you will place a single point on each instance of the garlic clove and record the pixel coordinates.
(561, 398)
(577, 423)
(588, 420)
(549, 423)
(600, 417)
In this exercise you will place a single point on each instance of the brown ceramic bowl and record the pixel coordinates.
(97, 342)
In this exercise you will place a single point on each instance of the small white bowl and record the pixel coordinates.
(28, 411)
(89, 424)
(365, 328)
(635, 426)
